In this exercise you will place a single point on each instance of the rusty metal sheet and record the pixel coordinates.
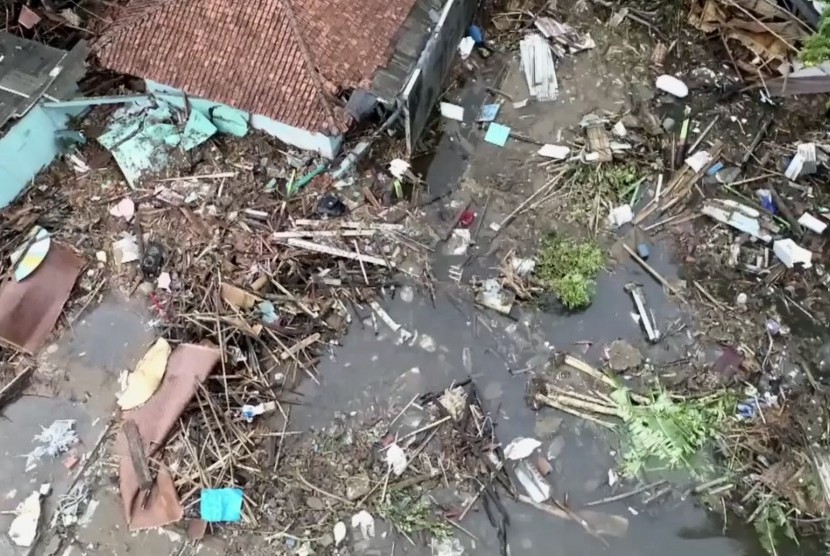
(30, 309)
(189, 365)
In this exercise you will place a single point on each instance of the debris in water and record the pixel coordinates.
(497, 134)
(493, 296)
(396, 459)
(533, 482)
(791, 254)
(559, 152)
(538, 67)
(57, 439)
(520, 448)
(23, 529)
(452, 111)
(364, 521)
(672, 85)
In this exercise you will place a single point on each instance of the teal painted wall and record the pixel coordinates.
(300, 138)
(28, 146)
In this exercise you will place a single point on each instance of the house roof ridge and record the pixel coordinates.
(310, 64)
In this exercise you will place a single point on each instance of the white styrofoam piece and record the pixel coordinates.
(465, 47)
(452, 111)
(812, 223)
(520, 448)
(790, 253)
(559, 152)
(620, 215)
(672, 85)
(795, 167)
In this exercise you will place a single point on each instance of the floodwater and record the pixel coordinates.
(372, 371)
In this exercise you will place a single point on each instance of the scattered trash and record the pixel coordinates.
(330, 206)
(24, 527)
(396, 459)
(803, 162)
(699, 160)
(221, 505)
(339, 532)
(566, 39)
(467, 218)
(148, 374)
(452, 111)
(124, 209)
(125, 250)
(364, 521)
(645, 318)
(497, 134)
(446, 547)
(741, 217)
(620, 216)
(465, 47)
(269, 312)
(559, 152)
(29, 256)
(523, 267)
(538, 67)
(520, 448)
(493, 296)
(791, 254)
(643, 251)
(152, 259)
(164, 281)
(533, 482)
(766, 201)
(619, 129)
(237, 297)
(248, 412)
(399, 168)
(599, 145)
(459, 242)
(812, 223)
(488, 112)
(672, 85)
(59, 437)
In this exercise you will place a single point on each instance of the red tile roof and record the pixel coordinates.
(279, 58)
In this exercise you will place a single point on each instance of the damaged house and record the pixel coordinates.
(32, 134)
(289, 68)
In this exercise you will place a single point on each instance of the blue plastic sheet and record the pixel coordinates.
(221, 505)
(488, 112)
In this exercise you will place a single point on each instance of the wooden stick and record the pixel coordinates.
(137, 455)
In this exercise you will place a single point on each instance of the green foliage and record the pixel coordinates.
(816, 48)
(770, 523)
(669, 432)
(569, 269)
(411, 514)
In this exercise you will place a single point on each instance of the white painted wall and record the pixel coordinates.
(301, 138)
(295, 136)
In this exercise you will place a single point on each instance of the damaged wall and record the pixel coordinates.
(426, 83)
(300, 138)
(29, 145)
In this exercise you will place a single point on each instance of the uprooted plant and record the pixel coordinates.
(569, 268)
(658, 431)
